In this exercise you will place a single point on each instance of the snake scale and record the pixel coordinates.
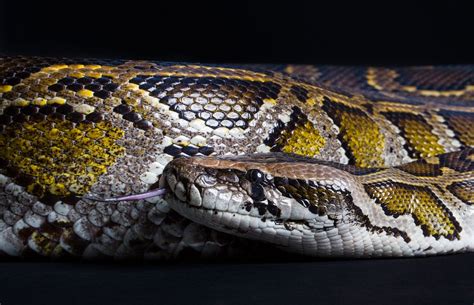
(315, 160)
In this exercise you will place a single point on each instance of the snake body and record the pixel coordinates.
(337, 161)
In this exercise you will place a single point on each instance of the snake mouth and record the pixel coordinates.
(225, 200)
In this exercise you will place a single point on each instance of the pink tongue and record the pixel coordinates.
(149, 194)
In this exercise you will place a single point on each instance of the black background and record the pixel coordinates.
(330, 32)
(385, 32)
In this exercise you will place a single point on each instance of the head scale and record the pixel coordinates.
(259, 195)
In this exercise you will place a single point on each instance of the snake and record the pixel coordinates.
(142, 159)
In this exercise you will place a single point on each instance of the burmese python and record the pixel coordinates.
(339, 161)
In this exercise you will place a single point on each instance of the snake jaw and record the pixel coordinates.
(242, 202)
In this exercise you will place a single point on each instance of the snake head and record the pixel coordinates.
(270, 197)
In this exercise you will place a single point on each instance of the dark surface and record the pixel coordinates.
(332, 31)
(434, 280)
(329, 32)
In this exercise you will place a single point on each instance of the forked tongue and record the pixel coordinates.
(149, 194)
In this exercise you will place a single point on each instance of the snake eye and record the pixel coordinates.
(255, 176)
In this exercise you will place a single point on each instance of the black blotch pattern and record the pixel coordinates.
(257, 192)
(261, 207)
(273, 209)
(461, 123)
(219, 102)
(300, 93)
(397, 119)
(421, 168)
(189, 150)
(20, 114)
(102, 87)
(128, 114)
(334, 110)
(371, 189)
(461, 161)
(297, 118)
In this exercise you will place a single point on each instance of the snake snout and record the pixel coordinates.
(180, 179)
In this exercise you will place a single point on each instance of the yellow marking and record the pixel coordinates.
(441, 93)
(92, 67)
(289, 69)
(53, 134)
(58, 189)
(61, 159)
(447, 171)
(364, 139)
(227, 73)
(94, 74)
(54, 68)
(49, 80)
(372, 78)
(198, 75)
(304, 140)
(42, 244)
(130, 86)
(5, 88)
(432, 160)
(270, 101)
(84, 108)
(46, 179)
(95, 133)
(254, 79)
(361, 134)
(77, 74)
(75, 133)
(399, 199)
(311, 102)
(132, 100)
(78, 66)
(20, 102)
(85, 93)
(153, 101)
(57, 100)
(39, 101)
(391, 83)
(409, 88)
(111, 75)
(421, 138)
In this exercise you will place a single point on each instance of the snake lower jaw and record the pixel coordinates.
(245, 226)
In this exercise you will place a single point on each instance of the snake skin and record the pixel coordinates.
(317, 208)
(76, 127)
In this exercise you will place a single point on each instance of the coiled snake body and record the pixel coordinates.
(337, 161)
